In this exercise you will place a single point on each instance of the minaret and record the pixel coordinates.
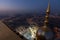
(47, 16)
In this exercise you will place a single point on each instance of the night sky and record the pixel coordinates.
(29, 5)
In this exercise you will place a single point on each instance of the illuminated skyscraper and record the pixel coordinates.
(45, 33)
(47, 16)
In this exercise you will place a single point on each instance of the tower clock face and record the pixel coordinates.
(39, 32)
(46, 34)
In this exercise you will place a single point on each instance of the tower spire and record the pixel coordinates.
(47, 15)
(48, 8)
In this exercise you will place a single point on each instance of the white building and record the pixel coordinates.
(29, 33)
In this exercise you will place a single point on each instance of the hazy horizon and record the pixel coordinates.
(29, 5)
